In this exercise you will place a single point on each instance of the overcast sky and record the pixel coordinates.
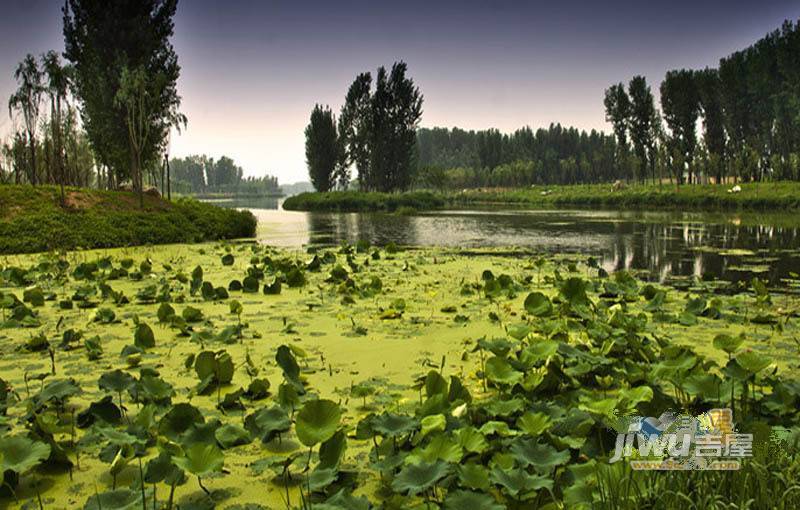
(252, 70)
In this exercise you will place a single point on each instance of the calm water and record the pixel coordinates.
(664, 246)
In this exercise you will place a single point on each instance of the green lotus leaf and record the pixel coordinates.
(634, 396)
(160, 468)
(538, 304)
(231, 435)
(541, 456)
(321, 477)
(416, 478)
(752, 361)
(704, 386)
(435, 384)
(499, 428)
(727, 343)
(155, 389)
(394, 425)
(460, 500)
(534, 424)
(317, 421)
(518, 483)
(473, 476)
(59, 390)
(345, 501)
(440, 447)
(104, 409)
(268, 422)
(192, 314)
(432, 423)
(116, 381)
(332, 450)
(201, 459)
(472, 440)
(143, 336)
(519, 331)
(19, 454)
(695, 306)
(120, 499)
(573, 291)
(499, 371)
(288, 363)
(504, 408)
(538, 352)
(250, 284)
(227, 259)
(179, 419)
(165, 313)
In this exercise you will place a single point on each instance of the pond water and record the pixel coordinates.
(661, 245)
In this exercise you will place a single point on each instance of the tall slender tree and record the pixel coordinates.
(27, 100)
(57, 88)
(378, 128)
(618, 111)
(322, 148)
(642, 117)
(709, 85)
(680, 102)
(355, 128)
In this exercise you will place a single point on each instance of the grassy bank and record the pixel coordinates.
(32, 219)
(356, 201)
(758, 196)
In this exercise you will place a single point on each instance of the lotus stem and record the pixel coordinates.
(200, 483)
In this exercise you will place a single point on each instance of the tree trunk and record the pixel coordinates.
(32, 141)
(169, 187)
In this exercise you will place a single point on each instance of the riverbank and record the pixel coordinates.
(754, 196)
(32, 219)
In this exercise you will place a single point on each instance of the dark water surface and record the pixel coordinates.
(662, 245)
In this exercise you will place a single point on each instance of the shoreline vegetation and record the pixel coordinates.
(33, 219)
(752, 196)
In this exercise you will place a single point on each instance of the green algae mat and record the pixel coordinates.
(243, 377)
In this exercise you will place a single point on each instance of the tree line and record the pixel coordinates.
(750, 111)
(375, 134)
(198, 174)
(120, 77)
(455, 158)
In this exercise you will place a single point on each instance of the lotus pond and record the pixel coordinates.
(240, 376)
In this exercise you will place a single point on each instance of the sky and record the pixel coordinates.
(253, 70)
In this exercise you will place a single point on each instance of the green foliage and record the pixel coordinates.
(378, 128)
(323, 149)
(32, 221)
(317, 421)
(105, 45)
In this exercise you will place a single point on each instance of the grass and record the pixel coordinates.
(32, 219)
(755, 196)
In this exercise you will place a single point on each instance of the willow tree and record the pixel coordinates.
(27, 100)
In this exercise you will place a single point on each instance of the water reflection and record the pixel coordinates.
(662, 245)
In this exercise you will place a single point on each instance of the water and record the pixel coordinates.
(661, 246)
